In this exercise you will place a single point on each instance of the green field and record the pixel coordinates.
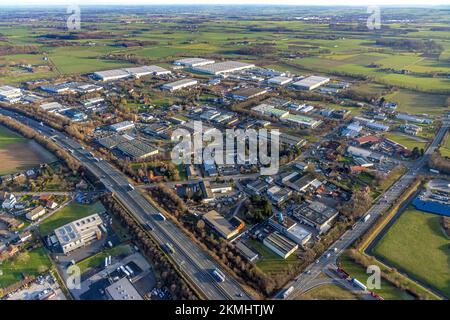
(8, 137)
(387, 290)
(328, 292)
(69, 213)
(419, 102)
(409, 143)
(30, 263)
(99, 258)
(445, 147)
(417, 245)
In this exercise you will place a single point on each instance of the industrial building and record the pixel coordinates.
(290, 229)
(137, 149)
(367, 154)
(193, 62)
(123, 290)
(278, 195)
(410, 118)
(247, 252)
(247, 93)
(279, 81)
(74, 115)
(52, 107)
(122, 126)
(180, 84)
(280, 244)
(311, 83)
(299, 182)
(79, 233)
(10, 94)
(223, 67)
(138, 72)
(110, 75)
(315, 214)
(302, 121)
(223, 227)
(268, 110)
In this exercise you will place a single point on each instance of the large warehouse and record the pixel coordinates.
(223, 67)
(10, 94)
(147, 70)
(311, 83)
(224, 227)
(109, 75)
(193, 62)
(180, 84)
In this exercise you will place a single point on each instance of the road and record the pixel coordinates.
(195, 264)
(302, 282)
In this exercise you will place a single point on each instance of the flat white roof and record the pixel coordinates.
(311, 81)
(180, 83)
(51, 105)
(223, 67)
(123, 290)
(192, 61)
(112, 73)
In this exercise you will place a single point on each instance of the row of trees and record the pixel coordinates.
(169, 276)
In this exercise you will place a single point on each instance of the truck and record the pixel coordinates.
(358, 284)
(434, 171)
(218, 275)
(160, 216)
(366, 217)
(287, 292)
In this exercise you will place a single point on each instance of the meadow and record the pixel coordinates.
(416, 244)
(31, 263)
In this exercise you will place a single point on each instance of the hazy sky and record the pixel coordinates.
(289, 2)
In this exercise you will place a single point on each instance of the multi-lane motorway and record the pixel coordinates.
(329, 259)
(194, 263)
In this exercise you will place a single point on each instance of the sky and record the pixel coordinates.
(231, 2)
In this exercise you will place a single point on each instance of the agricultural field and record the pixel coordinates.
(420, 103)
(31, 263)
(67, 214)
(18, 153)
(417, 245)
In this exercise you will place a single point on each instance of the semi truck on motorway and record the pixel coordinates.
(358, 284)
(160, 216)
(287, 292)
(218, 275)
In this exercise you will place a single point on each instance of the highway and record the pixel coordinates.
(196, 264)
(302, 282)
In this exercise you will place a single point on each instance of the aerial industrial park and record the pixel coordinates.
(106, 193)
